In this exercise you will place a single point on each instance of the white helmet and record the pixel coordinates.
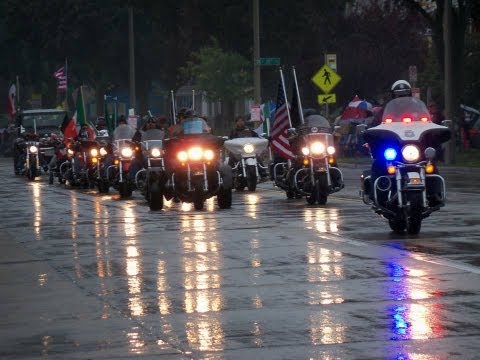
(401, 88)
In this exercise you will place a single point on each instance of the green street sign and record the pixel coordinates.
(268, 61)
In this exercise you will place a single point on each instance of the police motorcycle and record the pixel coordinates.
(313, 173)
(245, 151)
(194, 162)
(403, 185)
(124, 150)
(34, 146)
(151, 180)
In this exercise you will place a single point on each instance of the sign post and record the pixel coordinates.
(326, 79)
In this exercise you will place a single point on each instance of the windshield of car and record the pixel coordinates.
(38, 121)
(405, 109)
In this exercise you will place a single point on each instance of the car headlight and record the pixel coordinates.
(208, 155)
(331, 150)
(195, 153)
(126, 152)
(182, 156)
(305, 151)
(411, 153)
(94, 152)
(103, 151)
(155, 152)
(248, 148)
(317, 148)
(33, 149)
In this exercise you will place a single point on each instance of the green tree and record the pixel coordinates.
(224, 76)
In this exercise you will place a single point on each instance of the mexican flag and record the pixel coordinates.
(71, 127)
(266, 110)
(11, 101)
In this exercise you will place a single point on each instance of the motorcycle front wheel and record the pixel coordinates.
(32, 171)
(155, 200)
(414, 221)
(251, 177)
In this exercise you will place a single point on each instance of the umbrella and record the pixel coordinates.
(356, 109)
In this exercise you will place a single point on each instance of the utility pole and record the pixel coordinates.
(449, 113)
(256, 53)
(131, 51)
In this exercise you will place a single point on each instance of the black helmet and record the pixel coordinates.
(182, 112)
(401, 88)
(190, 113)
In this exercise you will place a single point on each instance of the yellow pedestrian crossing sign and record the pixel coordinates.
(327, 99)
(326, 79)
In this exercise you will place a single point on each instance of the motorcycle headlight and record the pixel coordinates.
(331, 150)
(33, 149)
(305, 151)
(248, 148)
(70, 152)
(103, 151)
(195, 153)
(317, 148)
(94, 152)
(126, 152)
(410, 153)
(182, 156)
(208, 155)
(155, 152)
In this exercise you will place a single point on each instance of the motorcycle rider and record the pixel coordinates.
(241, 131)
(400, 88)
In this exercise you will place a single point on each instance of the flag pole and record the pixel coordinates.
(267, 119)
(66, 84)
(300, 111)
(285, 96)
(193, 99)
(174, 113)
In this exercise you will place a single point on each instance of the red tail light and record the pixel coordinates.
(407, 119)
(388, 120)
(424, 118)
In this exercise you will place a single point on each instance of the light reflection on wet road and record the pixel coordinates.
(270, 278)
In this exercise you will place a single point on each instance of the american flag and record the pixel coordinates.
(280, 126)
(61, 77)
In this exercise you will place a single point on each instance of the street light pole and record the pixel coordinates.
(256, 53)
(131, 51)
(447, 41)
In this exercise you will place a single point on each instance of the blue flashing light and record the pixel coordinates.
(390, 154)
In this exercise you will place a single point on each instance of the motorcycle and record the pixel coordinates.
(153, 186)
(403, 185)
(26, 157)
(81, 167)
(123, 152)
(314, 172)
(196, 170)
(244, 152)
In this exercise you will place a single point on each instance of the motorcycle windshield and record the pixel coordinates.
(315, 123)
(152, 134)
(405, 109)
(124, 132)
(150, 144)
(194, 126)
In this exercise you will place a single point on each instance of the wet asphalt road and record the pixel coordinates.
(88, 276)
